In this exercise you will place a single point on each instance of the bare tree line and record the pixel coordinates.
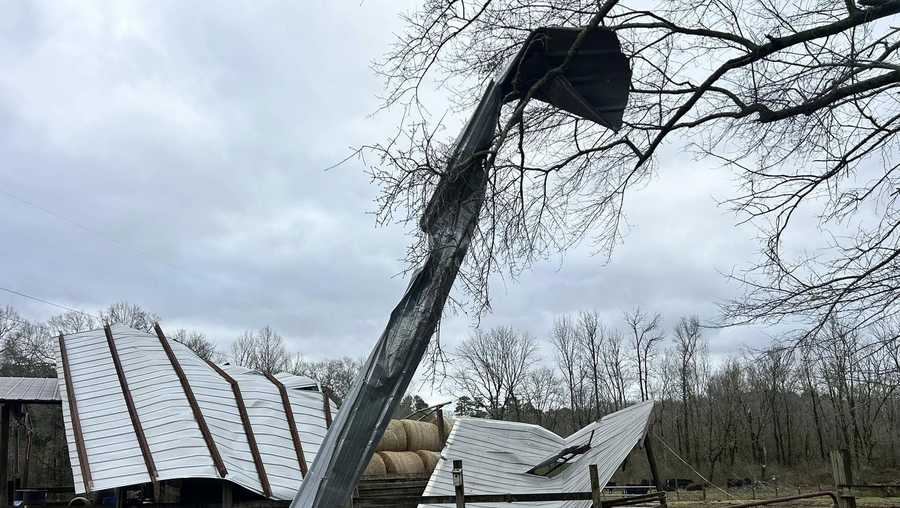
(28, 348)
(757, 414)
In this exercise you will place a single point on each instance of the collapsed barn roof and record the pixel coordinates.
(502, 457)
(139, 408)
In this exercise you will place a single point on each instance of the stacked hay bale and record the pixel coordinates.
(408, 447)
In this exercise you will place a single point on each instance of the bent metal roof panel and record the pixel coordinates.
(497, 456)
(139, 408)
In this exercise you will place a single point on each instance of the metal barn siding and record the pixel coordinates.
(496, 456)
(174, 438)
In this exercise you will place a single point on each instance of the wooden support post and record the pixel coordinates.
(227, 495)
(595, 485)
(842, 472)
(4, 455)
(651, 461)
(440, 425)
(120, 497)
(458, 484)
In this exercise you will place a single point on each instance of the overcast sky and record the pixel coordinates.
(173, 155)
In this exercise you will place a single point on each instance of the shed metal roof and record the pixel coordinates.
(29, 390)
(173, 422)
(496, 456)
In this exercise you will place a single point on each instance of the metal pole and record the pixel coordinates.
(458, 484)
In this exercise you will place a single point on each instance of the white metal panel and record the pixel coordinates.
(496, 456)
(174, 438)
(173, 435)
(113, 453)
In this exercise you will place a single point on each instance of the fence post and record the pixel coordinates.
(843, 476)
(595, 485)
(458, 484)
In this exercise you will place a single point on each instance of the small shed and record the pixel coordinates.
(16, 392)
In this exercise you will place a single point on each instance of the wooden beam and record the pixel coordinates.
(4, 455)
(80, 448)
(248, 429)
(595, 486)
(192, 400)
(651, 461)
(292, 424)
(326, 408)
(442, 430)
(132, 411)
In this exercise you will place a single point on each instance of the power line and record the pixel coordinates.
(173, 267)
(41, 300)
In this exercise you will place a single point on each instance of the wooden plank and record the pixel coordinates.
(132, 411)
(248, 429)
(80, 449)
(292, 424)
(192, 400)
(326, 402)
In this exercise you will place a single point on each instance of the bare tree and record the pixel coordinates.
(645, 334)
(568, 359)
(335, 376)
(130, 315)
(798, 99)
(689, 352)
(72, 322)
(492, 366)
(197, 342)
(261, 350)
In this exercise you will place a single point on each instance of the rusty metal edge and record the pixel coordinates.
(80, 448)
(192, 400)
(132, 410)
(292, 424)
(248, 429)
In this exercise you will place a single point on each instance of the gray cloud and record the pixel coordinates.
(191, 142)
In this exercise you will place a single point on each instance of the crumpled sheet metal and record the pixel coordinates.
(497, 454)
(448, 222)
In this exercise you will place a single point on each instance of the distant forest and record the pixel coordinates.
(770, 415)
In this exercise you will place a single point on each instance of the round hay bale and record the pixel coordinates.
(403, 462)
(429, 459)
(376, 466)
(394, 438)
(422, 436)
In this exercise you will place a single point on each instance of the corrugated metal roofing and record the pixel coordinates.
(174, 437)
(496, 456)
(29, 389)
